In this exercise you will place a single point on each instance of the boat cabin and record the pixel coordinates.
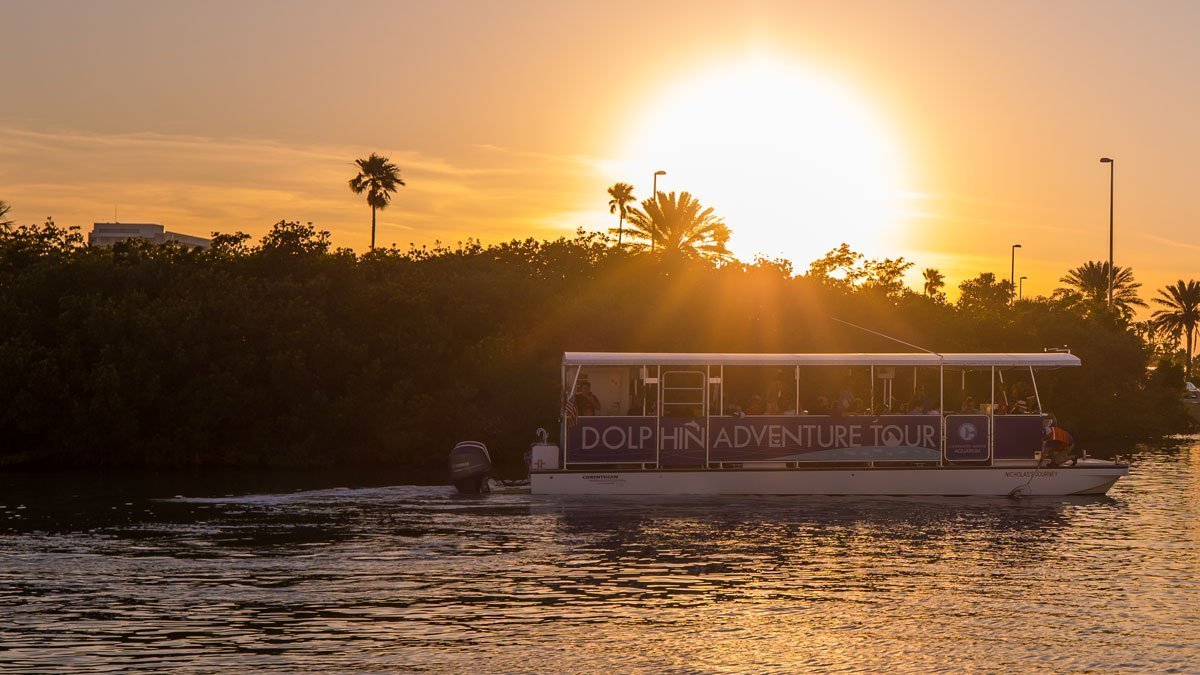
(728, 411)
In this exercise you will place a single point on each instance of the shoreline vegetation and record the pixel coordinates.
(289, 352)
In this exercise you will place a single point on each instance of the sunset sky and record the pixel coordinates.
(943, 132)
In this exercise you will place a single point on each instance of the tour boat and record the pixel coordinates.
(803, 424)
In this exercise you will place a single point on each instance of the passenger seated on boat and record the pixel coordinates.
(586, 403)
(918, 404)
(922, 398)
(821, 407)
(756, 405)
(1057, 445)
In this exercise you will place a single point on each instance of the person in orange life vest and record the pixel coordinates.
(1057, 445)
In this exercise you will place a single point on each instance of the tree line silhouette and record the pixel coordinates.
(287, 351)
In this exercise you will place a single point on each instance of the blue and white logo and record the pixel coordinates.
(968, 431)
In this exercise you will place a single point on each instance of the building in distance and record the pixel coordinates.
(107, 234)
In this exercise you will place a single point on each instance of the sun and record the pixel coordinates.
(794, 163)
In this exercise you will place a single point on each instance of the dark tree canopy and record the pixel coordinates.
(286, 352)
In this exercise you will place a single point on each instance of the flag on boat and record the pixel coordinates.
(570, 414)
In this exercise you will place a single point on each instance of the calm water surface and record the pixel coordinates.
(104, 575)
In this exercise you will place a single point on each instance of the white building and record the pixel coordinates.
(107, 234)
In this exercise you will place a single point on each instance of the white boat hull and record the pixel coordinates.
(1089, 477)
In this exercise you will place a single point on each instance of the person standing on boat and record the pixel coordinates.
(586, 403)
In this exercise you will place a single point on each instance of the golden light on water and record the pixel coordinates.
(794, 161)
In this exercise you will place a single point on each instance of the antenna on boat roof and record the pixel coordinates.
(872, 332)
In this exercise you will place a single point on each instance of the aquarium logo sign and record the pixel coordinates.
(966, 438)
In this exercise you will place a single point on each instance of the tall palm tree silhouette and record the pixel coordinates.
(379, 178)
(680, 225)
(1181, 312)
(934, 281)
(622, 197)
(1091, 281)
(4, 209)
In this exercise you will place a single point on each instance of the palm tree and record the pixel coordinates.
(622, 197)
(1090, 280)
(4, 209)
(379, 178)
(1182, 311)
(934, 282)
(680, 225)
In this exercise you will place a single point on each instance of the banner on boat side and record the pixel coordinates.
(1017, 436)
(825, 439)
(682, 441)
(967, 438)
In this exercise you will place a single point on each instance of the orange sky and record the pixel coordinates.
(510, 120)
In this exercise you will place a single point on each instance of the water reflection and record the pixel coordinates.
(158, 575)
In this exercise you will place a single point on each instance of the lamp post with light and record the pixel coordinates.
(1111, 177)
(654, 196)
(1012, 273)
(1021, 292)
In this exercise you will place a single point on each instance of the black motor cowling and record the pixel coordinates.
(470, 467)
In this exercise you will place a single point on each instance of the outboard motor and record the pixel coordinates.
(470, 467)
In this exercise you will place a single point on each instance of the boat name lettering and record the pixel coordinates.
(825, 436)
(1028, 474)
(618, 437)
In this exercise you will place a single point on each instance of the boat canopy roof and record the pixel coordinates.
(974, 360)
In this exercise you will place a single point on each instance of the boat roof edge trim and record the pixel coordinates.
(1010, 360)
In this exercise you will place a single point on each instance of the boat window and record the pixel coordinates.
(1014, 391)
(606, 391)
(759, 390)
(834, 390)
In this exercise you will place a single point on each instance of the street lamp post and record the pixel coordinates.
(1111, 177)
(1012, 273)
(1021, 292)
(654, 196)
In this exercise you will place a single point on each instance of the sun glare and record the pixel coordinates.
(794, 163)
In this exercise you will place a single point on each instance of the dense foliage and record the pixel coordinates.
(289, 352)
